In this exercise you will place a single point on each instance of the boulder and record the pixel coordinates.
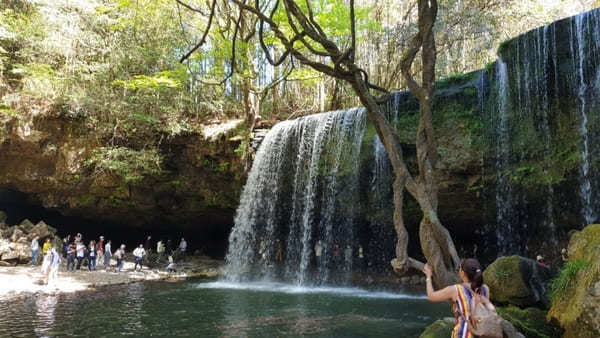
(16, 234)
(26, 225)
(576, 304)
(518, 281)
(14, 252)
(42, 229)
(439, 329)
(443, 328)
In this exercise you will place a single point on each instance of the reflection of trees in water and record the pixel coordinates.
(45, 307)
(293, 322)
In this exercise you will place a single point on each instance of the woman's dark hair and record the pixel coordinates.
(472, 269)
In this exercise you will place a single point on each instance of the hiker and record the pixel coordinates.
(262, 251)
(100, 251)
(92, 256)
(460, 295)
(319, 251)
(46, 247)
(35, 248)
(348, 256)
(160, 248)
(107, 253)
(171, 266)
(278, 251)
(120, 256)
(541, 262)
(65, 246)
(169, 246)
(361, 257)
(148, 244)
(182, 248)
(54, 265)
(46, 266)
(139, 254)
(71, 254)
(80, 248)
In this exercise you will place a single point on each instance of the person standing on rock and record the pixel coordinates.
(100, 250)
(35, 248)
(120, 256)
(107, 253)
(139, 254)
(92, 252)
(461, 295)
(80, 248)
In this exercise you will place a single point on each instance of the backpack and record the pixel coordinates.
(483, 322)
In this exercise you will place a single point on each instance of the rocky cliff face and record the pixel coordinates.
(196, 187)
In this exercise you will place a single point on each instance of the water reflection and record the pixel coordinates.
(45, 308)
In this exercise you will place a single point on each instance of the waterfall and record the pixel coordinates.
(504, 192)
(581, 34)
(303, 187)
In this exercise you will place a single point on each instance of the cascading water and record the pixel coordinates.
(504, 191)
(584, 29)
(303, 187)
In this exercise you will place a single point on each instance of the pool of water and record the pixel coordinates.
(216, 309)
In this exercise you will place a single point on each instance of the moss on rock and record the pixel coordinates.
(439, 329)
(518, 281)
(577, 308)
(530, 321)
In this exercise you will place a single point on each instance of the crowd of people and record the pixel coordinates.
(99, 253)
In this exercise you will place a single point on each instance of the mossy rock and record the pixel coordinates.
(530, 321)
(518, 281)
(439, 329)
(577, 307)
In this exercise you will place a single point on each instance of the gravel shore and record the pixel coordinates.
(23, 279)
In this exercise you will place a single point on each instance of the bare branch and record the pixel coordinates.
(208, 25)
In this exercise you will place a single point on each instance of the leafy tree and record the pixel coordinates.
(323, 36)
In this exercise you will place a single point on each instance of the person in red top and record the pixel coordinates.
(540, 261)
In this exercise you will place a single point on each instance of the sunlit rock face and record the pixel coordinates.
(197, 189)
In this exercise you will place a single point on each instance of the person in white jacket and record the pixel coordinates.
(139, 254)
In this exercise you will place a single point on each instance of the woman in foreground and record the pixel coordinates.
(460, 295)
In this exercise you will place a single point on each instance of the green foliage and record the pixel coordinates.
(131, 165)
(561, 287)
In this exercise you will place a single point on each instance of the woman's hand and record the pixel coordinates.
(427, 270)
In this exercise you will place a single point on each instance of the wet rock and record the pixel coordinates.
(518, 281)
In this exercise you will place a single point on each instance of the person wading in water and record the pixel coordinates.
(461, 294)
